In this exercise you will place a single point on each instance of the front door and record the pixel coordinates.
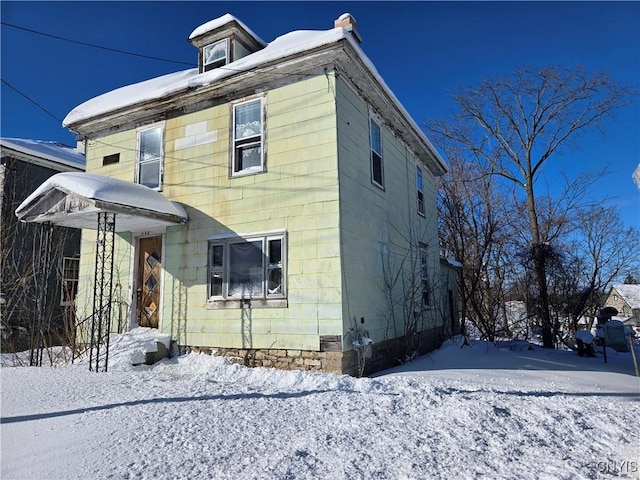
(149, 276)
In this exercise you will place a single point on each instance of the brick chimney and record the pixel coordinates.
(347, 22)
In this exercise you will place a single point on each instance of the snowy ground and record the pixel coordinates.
(473, 412)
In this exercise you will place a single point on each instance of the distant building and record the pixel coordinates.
(626, 299)
(31, 290)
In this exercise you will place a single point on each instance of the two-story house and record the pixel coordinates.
(38, 266)
(311, 240)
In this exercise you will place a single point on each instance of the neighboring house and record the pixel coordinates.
(311, 240)
(626, 299)
(34, 288)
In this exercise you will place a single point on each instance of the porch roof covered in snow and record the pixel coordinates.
(74, 199)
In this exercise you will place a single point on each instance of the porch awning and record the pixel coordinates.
(74, 199)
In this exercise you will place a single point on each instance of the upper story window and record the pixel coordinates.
(150, 153)
(246, 268)
(377, 170)
(420, 190)
(248, 138)
(215, 55)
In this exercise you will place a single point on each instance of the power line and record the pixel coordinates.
(31, 100)
(92, 45)
(124, 52)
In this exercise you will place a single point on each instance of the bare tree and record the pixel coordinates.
(609, 250)
(474, 229)
(514, 125)
(33, 310)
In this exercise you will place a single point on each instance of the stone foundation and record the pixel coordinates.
(330, 362)
(383, 355)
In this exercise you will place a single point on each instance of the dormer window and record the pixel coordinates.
(222, 41)
(215, 55)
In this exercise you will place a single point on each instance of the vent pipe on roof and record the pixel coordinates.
(347, 22)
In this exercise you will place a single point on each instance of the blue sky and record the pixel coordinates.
(423, 50)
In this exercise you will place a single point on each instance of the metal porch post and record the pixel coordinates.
(102, 293)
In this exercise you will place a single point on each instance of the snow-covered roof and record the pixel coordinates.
(49, 151)
(630, 293)
(220, 22)
(74, 199)
(289, 45)
(170, 84)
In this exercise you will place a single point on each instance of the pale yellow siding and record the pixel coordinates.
(379, 225)
(298, 194)
(343, 233)
(120, 282)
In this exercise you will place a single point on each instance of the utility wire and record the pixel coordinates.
(124, 52)
(31, 100)
(92, 45)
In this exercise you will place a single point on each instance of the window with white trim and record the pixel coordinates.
(149, 161)
(215, 55)
(248, 137)
(377, 168)
(70, 274)
(248, 267)
(420, 190)
(424, 273)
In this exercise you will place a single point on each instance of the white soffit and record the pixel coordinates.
(74, 199)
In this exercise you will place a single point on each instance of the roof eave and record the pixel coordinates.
(344, 53)
(82, 212)
(42, 161)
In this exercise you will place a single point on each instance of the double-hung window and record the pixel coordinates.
(70, 274)
(150, 153)
(420, 190)
(215, 55)
(247, 268)
(248, 137)
(424, 273)
(377, 170)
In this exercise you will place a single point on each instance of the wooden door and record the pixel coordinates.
(149, 276)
